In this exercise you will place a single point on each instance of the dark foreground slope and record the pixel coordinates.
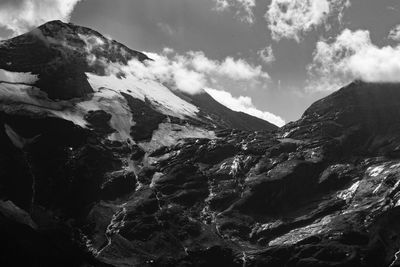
(322, 191)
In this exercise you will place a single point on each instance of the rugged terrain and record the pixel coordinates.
(100, 169)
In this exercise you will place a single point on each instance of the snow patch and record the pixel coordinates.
(116, 105)
(235, 166)
(163, 99)
(297, 235)
(20, 99)
(169, 134)
(17, 77)
(349, 193)
(16, 99)
(375, 171)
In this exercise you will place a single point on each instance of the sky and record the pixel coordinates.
(269, 58)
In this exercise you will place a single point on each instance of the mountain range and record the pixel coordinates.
(101, 166)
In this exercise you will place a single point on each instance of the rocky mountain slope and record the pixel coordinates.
(102, 170)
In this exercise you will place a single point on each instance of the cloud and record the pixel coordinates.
(243, 8)
(394, 33)
(236, 69)
(193, 71)
(189, 72)
(20, 16)
(243, 104)
(267, 55)
(291, 19)
(201, 63)
(188, 81)
(352, 55)
(240, 70)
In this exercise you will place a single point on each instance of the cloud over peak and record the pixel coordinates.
(20, 16)
(243, 104)
(193, 71)
(352, 55)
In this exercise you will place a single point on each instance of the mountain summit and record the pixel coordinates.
(79, 64)
(100, 167)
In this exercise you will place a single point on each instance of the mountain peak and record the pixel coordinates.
(363, 115)
(79, 65)
(54, 24)
(63, 53)
(371, 103)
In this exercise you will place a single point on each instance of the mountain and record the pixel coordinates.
(79, 64)
(103, 169)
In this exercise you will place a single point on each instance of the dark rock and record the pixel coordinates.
(216, 154)
(336, 176)
(99, 121)
(145, 117)
(278, 191)
(137, 152)
(213, 256)
(228, 118)
(118, 184)
(24, 246)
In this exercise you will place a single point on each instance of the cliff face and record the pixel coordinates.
(98, 174)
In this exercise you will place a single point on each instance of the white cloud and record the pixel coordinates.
(193, 71)
(394, 34)
(189, 72)
(221, 5)
(168, 50)
(352, 55)
(292, 18)
(243, 104)
(188, 81)
(267, 55)
(201, 63)
(20, 16)
(243, 8)
(240, 70)
(236, 69)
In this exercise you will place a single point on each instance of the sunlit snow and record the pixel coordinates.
(17, 77)
(160, 96)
